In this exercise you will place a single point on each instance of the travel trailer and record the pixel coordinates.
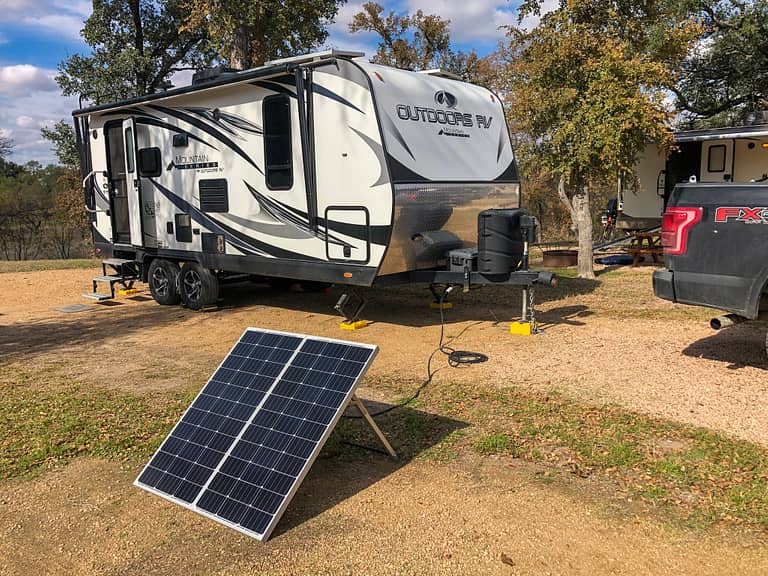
(736, 154)
(322, 167)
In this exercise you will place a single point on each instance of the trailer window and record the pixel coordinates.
(129, 150)
(716, 158)
(277, 142)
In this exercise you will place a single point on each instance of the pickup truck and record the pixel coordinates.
(715, 239)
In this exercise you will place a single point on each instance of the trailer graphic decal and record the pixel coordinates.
(152, 121)
(316, 89)
(227, 121)
(743, 214)
(280, 214)
(204, 220)
(189, 119)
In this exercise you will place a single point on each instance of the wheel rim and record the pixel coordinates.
(193, 285)
(160, 282)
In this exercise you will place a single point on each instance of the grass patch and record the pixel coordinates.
(38, 265)
(493, 444)
(693, 471)
(41, 428)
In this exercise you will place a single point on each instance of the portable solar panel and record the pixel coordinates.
(244, 445)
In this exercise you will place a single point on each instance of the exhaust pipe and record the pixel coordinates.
(726, 320)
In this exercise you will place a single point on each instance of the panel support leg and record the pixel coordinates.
(368, 418)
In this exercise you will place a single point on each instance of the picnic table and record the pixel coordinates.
(646, 243)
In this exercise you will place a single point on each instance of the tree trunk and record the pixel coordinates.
(583, 216)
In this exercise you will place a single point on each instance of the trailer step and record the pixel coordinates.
(116, 261)
(110, 279)
(96, 296)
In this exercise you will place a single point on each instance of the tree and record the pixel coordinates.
(62, 136)
(247, 34)
(135, 47)
(66, 219)
(6, 146)
(724, 81)
(586, 86)
(418, 42)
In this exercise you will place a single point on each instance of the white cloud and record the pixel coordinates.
(25, 115)
(472, 20)
(530, 22)
(25, 79)
(63, 17)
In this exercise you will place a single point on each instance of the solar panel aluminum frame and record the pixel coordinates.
(310, 460)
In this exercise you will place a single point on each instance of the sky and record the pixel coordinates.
(36, 35)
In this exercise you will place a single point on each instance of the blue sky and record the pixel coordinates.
(35, 35)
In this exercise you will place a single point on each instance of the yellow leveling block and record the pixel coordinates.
(356, 325)
(127, 291)
(521, 328)
(438, 305)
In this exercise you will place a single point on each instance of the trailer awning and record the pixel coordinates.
(732, 133)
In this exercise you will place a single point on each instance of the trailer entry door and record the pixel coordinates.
(132, 182)
(717, 161)
(118, 183)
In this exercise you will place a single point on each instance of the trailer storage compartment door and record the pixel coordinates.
(353, 222)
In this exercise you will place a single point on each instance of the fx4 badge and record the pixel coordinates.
(742, 214)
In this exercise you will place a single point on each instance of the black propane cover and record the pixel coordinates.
(500, 240)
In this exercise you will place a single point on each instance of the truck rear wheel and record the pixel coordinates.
(163, 278)
(198, 286)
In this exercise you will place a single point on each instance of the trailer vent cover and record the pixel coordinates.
(214, 195)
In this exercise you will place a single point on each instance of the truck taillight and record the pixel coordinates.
(675, 224)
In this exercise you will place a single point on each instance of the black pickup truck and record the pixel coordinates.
(715, 239)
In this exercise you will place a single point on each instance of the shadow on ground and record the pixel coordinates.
(407, 305)
(344, 468)
(740, 346)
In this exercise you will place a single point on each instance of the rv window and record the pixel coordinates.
(716, 158)
(129, 150)
(149, 162)
(277, 142)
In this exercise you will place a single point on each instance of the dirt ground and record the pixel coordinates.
(366, 516)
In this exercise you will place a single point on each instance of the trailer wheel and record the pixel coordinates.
(163, 278)
(198, 286)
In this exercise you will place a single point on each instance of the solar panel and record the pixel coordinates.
(243, 447)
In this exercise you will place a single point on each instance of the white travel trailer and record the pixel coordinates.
(323, 167)
(736, 154)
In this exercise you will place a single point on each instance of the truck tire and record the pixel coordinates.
(163, 279)
(198, 286)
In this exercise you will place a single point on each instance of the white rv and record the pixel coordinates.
(737, 154)
(322, 167)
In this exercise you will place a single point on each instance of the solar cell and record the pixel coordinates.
(243, 447)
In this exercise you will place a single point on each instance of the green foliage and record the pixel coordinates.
(586, 90)
(247, 34)
(419, 41)
(6, 146)
(62, 136)
(135, 47)
(41, 428)
(723, 81)
(40, 211)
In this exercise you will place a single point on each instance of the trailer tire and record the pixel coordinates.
(198, 286)
(163, 279)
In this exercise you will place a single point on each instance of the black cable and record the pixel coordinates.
(456, 358)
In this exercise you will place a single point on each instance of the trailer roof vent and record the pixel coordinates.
(757, 118)
(210, 74)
